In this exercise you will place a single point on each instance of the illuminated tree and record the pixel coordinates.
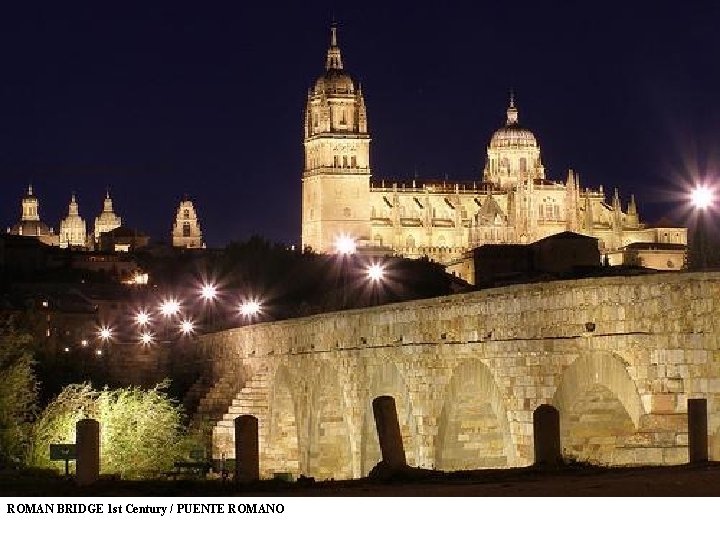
(18, 393)
(141, 431)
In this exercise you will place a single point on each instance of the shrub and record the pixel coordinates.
(141, 431)
(18, 394)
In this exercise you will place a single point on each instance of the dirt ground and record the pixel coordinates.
(675, 481)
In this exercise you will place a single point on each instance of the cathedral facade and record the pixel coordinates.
(513, 203)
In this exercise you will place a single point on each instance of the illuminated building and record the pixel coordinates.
(73, 232)
(186, 232)
(30, 223)
(514, 202)
(107, 220)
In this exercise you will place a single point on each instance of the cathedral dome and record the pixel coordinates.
(512, 134)
(334, 81)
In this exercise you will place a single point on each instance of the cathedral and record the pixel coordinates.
(73, 233)
(514, 202)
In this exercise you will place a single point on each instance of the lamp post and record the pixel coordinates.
(702, 200)
(375, 273)
(209, 293)
(169, 308)
(345, 246)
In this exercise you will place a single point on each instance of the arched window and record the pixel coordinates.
(523, 165)
(345, 163)
(410, 243)
(353, 162)
(378, 240)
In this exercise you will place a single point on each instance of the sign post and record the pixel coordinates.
(63, 452)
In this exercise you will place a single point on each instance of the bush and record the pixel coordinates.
(141, 431)
(18, 394)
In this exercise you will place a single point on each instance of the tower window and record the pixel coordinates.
(186, 214)
(186, 229)
(353, 162)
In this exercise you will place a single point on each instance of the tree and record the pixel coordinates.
(141, 431)
(18, 393)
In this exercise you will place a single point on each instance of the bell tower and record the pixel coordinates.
(336, 174)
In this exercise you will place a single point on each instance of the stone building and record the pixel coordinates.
(107, 220)
(73, 232)
(186, 231)
(30, 223)
(513, 202)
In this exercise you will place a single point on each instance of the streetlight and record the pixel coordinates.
(702, 198)
(105, 333)
(170, 307)
(187, 327)
(345, 244)
(146, 338)
(142, 318)
(375, 272)
(208, 292)
(250, 308)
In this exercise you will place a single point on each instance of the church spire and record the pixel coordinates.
(334, 59)
(512, 112)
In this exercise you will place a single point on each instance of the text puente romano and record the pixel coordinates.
(619, 357)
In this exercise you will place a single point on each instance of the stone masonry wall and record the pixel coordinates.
(619, 357)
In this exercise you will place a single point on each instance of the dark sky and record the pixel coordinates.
(207, 99)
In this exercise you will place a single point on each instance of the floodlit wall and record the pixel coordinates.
(618, 356)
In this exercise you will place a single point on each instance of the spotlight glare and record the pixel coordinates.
(170, 307)
(701, 197)
(146, 338)
(187, 327)
(345, 245)
(208, 291)
(249, 308)
(105, 333)
(142, 318)
(375, 272)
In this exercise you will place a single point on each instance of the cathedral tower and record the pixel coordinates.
(107, 220)
(73, 232)
(336, 175)
(186, 231)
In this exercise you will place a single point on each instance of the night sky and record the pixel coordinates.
(207, 99)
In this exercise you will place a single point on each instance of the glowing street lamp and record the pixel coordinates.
(375, 272)
(105, 333)
(701, 197)
(187, 327)
(345, 245)
(208, 292)
(250, 308)
(146, 338)
(142, 318)
(170, 307)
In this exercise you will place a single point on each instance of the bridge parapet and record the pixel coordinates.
(618, 356)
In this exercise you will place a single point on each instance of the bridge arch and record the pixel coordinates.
(473, 427)
(387, 380)
(281, 451)
(329, 449)
(600, 409)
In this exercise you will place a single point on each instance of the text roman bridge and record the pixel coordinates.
(618, 357)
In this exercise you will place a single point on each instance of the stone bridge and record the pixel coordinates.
(617, 356)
